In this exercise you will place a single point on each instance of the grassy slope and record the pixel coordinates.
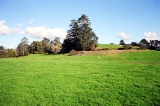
(109, 46)
(122, 79)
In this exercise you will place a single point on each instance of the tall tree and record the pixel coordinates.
(154, 45)
(55, 46)
(22, 48)
(58, 45)
(32, 47)
(1, 47)
(121, 42)
(45, 44)
(2, 51)
(80, 36)
(143, 42)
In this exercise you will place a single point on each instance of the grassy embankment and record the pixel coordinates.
(129, 78)
(108, 46)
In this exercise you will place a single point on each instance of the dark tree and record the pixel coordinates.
(80, 36)
(1, 47)
(143, 42)
(154, 45)
(3, 52)
(121, 42)
(134, 44)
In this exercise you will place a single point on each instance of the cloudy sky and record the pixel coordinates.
(111, 20)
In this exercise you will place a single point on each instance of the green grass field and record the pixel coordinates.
(109, 46)
(129, 78)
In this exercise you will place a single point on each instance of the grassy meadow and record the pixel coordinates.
(109, 46)
(114, 79)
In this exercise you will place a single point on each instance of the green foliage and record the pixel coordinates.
(6, 53)
(26, 53)
(54, 80)
(46, 46)
(11, 53)
(36, 47)
(22, 47)
(56, 46)
(2, 51)
(80, 36)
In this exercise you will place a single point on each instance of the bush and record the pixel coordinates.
(26, 53)
(120, 48)
(143, 47)
(35, 52)
(11, 53)
(73, 52)
(127, 47)
(93, 47)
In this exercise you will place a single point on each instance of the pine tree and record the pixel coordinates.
(80, 36)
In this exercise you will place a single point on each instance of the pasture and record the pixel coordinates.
(109, 46)
(115, 79)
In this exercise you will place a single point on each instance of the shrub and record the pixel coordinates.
(120, 48)
(127, 47)
(26, 53)
(93, 47)
(11, 53)
(73, 52)
(143, 47)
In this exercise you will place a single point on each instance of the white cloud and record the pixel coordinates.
(17, 31)
(123, 36)
(14, 30)
(158, 33)
(36, 32)
(31, 21)
(19, 25)
(4, 30)
(43, 31)
(22, 33)
(151, 35)
(25, 23)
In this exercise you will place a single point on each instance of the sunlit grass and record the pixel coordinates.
(129, 78)
(109, 46)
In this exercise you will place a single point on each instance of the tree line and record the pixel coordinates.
(46, 46)
(79, 37)
(143, 44)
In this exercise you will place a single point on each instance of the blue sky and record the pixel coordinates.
(111, 20)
